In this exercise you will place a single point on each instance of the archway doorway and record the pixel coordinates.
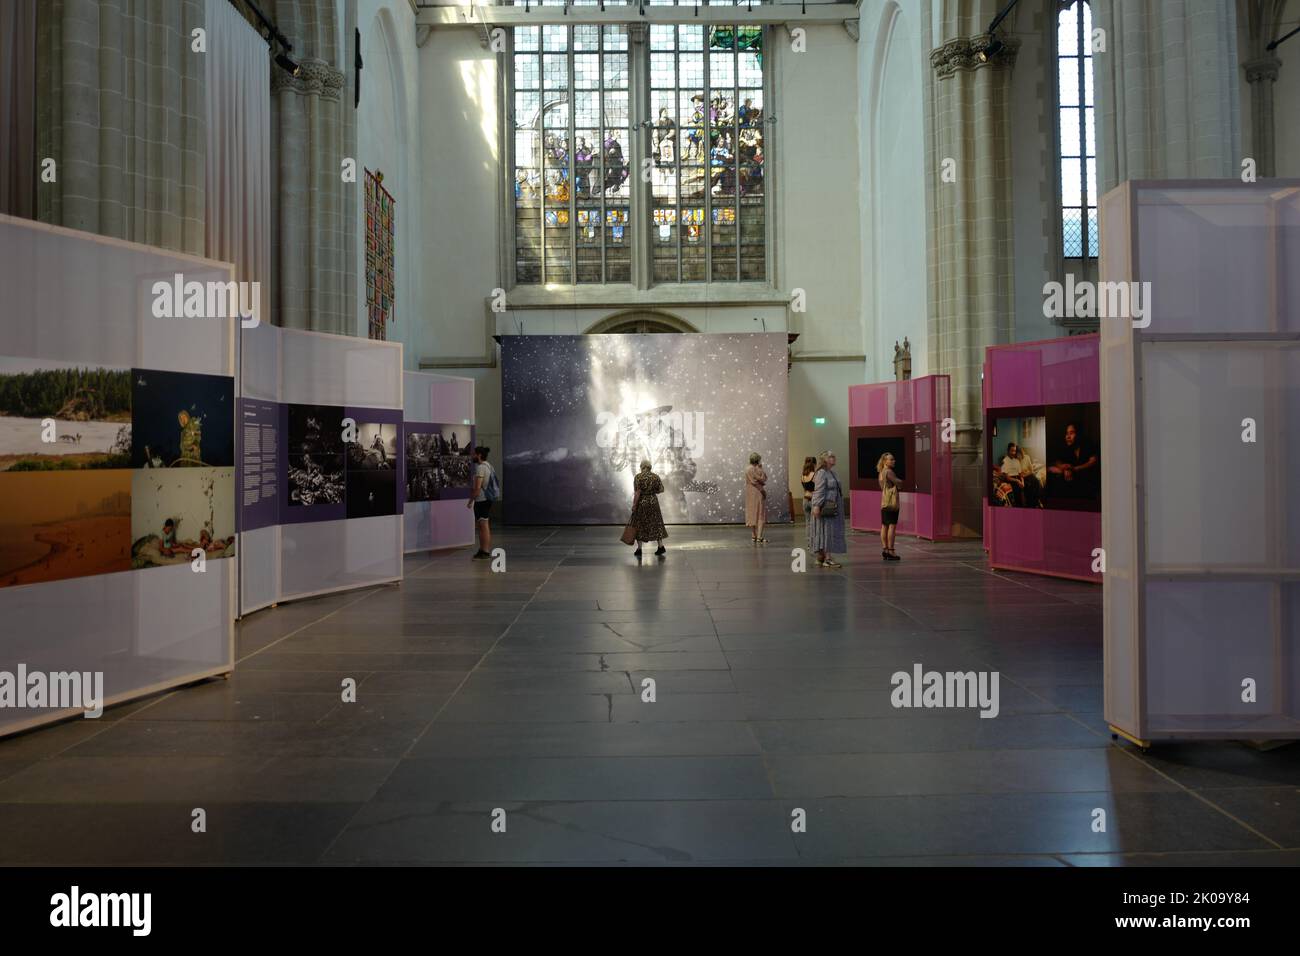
(640, 322)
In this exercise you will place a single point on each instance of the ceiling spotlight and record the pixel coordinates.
(289, 66)
(994, 47)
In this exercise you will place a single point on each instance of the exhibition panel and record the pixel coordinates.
(320, 464)
(1042, 433)
(439, 437)
(580, 412)
(117, 470)
(1203, 404)
(906, 419)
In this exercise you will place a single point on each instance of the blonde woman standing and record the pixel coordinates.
(756, 497)
(889, 485)
(826, 532)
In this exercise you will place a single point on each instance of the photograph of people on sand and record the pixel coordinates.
(64, 524)
(177, 511)
(63, 415)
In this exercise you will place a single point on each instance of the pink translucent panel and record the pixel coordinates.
(924, 400)
(1054, 372)
(1058, 543)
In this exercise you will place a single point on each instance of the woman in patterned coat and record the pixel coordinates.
(646, 516)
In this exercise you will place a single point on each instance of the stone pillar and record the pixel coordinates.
(1264, 23)
(971, 246)
(1167, 91)
(313, 129)
(121, 109)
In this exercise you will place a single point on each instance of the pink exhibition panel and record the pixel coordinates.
(1042, 403)
(907, 419)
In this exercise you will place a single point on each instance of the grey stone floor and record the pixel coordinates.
(521, 691)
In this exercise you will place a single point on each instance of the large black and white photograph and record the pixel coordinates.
(439, 465)
(315, 456)
(372, 470)
(579, 414)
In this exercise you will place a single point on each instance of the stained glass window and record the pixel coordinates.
(576, 160)
(572, 154)
(1078, 131)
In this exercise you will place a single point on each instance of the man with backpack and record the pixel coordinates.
(487, 489)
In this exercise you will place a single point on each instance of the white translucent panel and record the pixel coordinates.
(71, 297)
(1219, 259)
(143, 630)
(340, 370)
(1203, 640)
(1212, 499)
(331, 555)
(259, 362)
(259, 568)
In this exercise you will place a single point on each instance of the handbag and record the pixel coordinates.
(830, 507)
(629, 534)
(889, 498)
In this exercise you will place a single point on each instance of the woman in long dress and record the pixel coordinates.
(647, 519)
(826, 533)
(756, 497)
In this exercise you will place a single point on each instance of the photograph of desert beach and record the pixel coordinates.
(64, 524)
(89, 408)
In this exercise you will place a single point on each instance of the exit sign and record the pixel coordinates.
(819, 421)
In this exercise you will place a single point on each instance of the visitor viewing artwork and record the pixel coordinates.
(1046, 458)
(580, 412)
(88, 409)
(438, 465)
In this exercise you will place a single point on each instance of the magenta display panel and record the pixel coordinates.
(1020, 380)
(923, 402)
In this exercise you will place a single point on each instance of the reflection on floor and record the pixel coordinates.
(523, 691)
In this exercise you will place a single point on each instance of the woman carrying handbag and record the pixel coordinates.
(647, 521)
(889, 484)
(826, 532)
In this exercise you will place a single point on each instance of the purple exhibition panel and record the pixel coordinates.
(259, 464)
(1042, 404)
(905, 419)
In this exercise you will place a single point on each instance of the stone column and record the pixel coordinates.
(1264, 23)
(313, 129)
(121, 109)
(971, 246)
(1167, 91)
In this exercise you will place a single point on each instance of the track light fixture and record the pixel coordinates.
(1282, 39)
(284, 62)
(995, 46)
